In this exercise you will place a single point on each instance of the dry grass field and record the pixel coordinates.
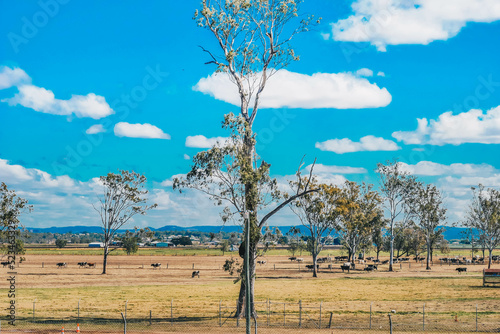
(449, 297)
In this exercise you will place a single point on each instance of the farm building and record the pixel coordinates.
(96, 245)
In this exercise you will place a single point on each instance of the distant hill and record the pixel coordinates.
(450, 233)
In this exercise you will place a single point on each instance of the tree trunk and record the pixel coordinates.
(490, 257)
(428, 256)
(315, 257)
(240, 309)
(391, 256)
(105, 261)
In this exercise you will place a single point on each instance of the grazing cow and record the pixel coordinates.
(368, 268)
(311, 266)
(82, 264)
(156, 265)
(195, 273)
(262, 262)
(372, 267)
(299, 259)
(293, 258)
(370, 258)
(385, 262)
(61, 264)
(461, 269)
(376, 261)
(345, 267)
(91, 265)
(361, 261)
(5, 263)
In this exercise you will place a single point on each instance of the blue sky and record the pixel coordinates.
(87, 88)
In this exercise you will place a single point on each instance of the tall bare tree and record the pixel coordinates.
(484, 216)
(124, 196)
(253, 40)
(395, 187)
(428, 212)
(318, 212)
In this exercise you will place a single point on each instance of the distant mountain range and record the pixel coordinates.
(450, 233)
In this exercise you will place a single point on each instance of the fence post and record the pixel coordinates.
(220, 314)
(150, 320)
(320, 307)
(78, 315)
(34, 310)
(330, 323)
(300, 313)
(476, 317)
(126, 302)
(390, 322)
(172, 312)
(423, 318)
(124, 323)
(284, 314)
(268, 311)
(193, 265)
(371, 315)
(42, 264)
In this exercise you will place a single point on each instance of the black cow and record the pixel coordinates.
(311, 266)
(156, 265)
(461, 269)
(345, 267)
(61, 264)
(293, 258)
(369, 268)
(5, 263)
(82, 264)
(195, 273)
(91, 265)
(262, 262)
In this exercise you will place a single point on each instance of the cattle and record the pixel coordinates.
(82, 264)
(156, 265)
(293, 258)
(91, 265)
(299, 259)
(311, 266)
(461, 269)
(5, 263)
(195, 273)
(341, 258)
(370, 258)
(372, 267)
(262, 262)
(324, 259)
(368, 268)
(361, 261)
(345, 267)
(385, 262)
(376, 261)
(61, 264)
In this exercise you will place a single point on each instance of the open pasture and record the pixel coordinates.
(448, 295)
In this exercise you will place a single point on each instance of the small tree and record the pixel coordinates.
(182, 241)
(484, 216)
(318, 212)
(426, 208)
(61, 243)
(11, 208)
(123, 197)
(224, 246)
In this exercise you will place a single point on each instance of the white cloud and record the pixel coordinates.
(124, 129)
(364, 72)
(10, 77)
(321, 169)
(295, 90)
(367, 143)
(94, 129)
(472, 126)
(186, 157)
(43, 100)
(200, 141)
(380, 74)
(430, 168)
(393, 22)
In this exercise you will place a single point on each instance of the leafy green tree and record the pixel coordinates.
(11, 208)
(318, 212)
(182, 241)
(426, 207)
(484, 216)
(61, 243)
(396, 186)
(224, 246)
(124, 196)
(360, 209)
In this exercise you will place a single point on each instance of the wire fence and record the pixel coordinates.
(272, 317)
